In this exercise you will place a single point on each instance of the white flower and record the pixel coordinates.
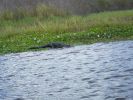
(34, 39)
(98, 36)
(58, 36)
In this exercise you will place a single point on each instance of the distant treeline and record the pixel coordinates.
(73, 6)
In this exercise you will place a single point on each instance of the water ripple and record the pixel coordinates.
(101, 71)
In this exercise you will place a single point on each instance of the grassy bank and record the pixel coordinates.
(19, 35)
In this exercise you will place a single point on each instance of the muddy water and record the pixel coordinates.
(102, 71)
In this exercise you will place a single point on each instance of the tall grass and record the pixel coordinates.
(40, 11)
(64, 24)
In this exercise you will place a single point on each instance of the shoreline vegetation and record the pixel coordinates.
(20, 30)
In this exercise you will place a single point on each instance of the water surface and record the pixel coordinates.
(102, 71)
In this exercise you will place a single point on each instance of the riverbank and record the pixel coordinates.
(19, 35)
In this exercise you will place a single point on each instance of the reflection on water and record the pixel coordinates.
(102, 71)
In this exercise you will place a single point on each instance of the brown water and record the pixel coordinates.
(102, 71)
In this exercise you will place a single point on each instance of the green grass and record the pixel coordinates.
(19, 35)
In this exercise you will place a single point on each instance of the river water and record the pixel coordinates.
(101, 71)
